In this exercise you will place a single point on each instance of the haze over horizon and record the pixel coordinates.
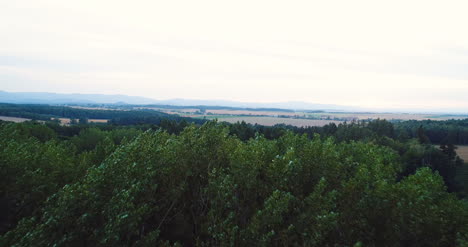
(395, 55)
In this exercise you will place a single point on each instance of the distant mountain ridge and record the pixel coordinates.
(57, 98)
(119, 99)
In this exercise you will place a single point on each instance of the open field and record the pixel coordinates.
(246, 112)
(95, 108)
(219, 112)
(341, 116)
(170, 111)
(390, 116)
(462, 172)
(270, 121)
(66, 121)
(98, 120)
(462, 151)
(14, 119)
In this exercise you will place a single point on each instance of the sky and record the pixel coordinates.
(374, 54)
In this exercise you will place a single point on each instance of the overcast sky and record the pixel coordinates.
(393, 54)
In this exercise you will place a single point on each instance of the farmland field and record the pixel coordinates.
(220, 112)
(462, 172)
(247, 112)
(339, 116)
(14, 119)
(98, 120)
(66, 121)
(393, 116)
(462, 151)
(270, 121)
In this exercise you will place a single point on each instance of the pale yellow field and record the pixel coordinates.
(348, 116)
(320, 115)
(98, 120)
(66, 121)
(270, 121)
(462, 151)
(14, 119)
(392, 116)
(246, 112)
(95, 108)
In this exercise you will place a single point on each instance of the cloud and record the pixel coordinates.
(334, 52)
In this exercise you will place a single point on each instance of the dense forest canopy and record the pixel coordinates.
(449, 131)
(357, 184)
(120, 117)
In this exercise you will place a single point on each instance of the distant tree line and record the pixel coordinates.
(205, 107)
(119, 117)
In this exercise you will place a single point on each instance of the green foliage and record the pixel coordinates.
(31, 170)
(440, 132)
(206, 187)
(81, 116)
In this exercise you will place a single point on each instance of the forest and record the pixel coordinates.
(174, 182)
(120, 117)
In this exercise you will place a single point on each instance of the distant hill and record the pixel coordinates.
(56, 98)
(293, 105)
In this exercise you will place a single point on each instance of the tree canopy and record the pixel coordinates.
(208, 186)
